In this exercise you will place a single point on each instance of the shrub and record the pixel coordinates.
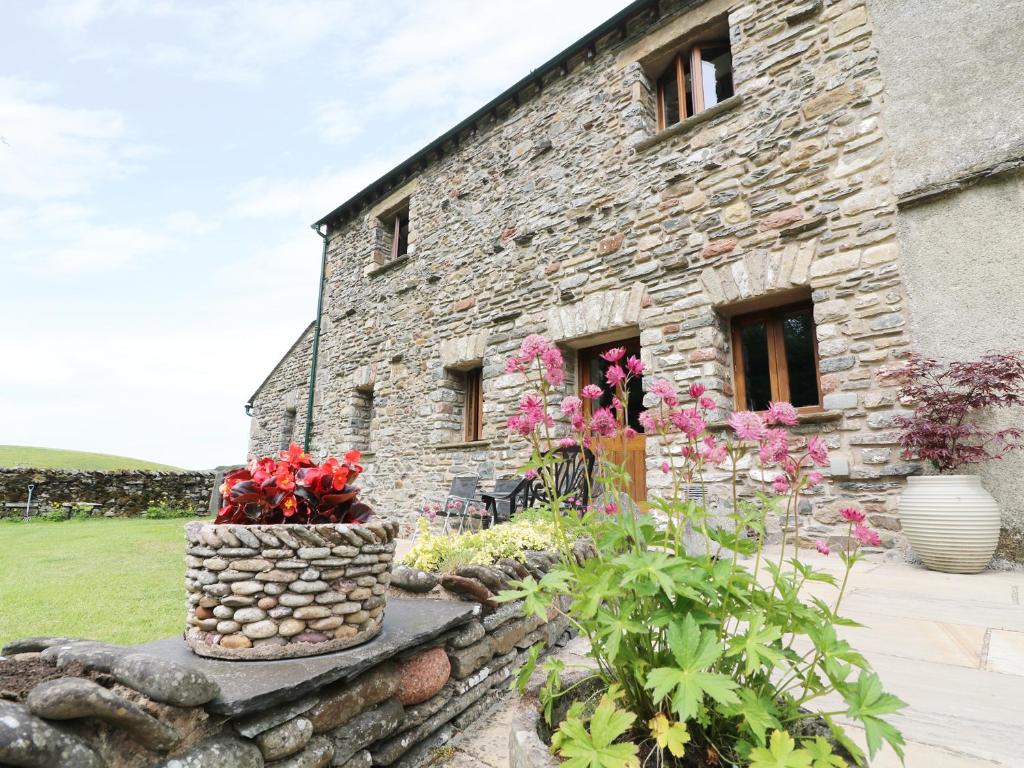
(439, 552)
(705, 661)
(947, 400)
(162, 510)
(294, 489)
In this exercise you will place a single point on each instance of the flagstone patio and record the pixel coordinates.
(951, 646)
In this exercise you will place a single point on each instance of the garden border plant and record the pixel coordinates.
(705, 661)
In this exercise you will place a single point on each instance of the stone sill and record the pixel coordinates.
(462, 444)
(682, 127)
(379, 269)
(808, 417)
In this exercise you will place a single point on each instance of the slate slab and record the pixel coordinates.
(248, 686)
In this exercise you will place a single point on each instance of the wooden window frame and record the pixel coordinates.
(693, 56)
(778, 370)
(474, 406)
(396, 230)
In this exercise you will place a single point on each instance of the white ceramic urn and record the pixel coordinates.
(951, 521)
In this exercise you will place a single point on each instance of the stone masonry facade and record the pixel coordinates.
(568, 213)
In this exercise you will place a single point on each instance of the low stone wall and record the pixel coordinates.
(392, 701)
(124, 493)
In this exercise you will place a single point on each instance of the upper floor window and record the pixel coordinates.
(775, 357)
(693, 81)
(474, 407)
(399, 226)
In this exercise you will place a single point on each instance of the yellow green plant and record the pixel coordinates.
(432, 551)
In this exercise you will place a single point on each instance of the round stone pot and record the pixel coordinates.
(281, 591)
(951, 521)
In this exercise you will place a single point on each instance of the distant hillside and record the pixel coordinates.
(55, 458)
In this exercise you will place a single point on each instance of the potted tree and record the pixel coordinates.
(294, 564)
(951, 521)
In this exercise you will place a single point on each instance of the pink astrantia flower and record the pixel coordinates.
(521, 425)
(614, 354)
(650, 422)
(774, 447)
(614, 375)
(689, 422)
(818, 451)
(706, 403)
(814, 478)
(530, 474)
(696, 390)
(554, 367)
(611, 508)
(566, 442)
(635, 366)
(852, 514)
(512, 365)
(663, 389)
(713, 453)
(747, 425)
(532, 405)
(533, 346)
(866, 536)
(602, 423)
(781, 413)
(571, 405)
(822, 547)
(592, 392)
(665, 467)
(780, 484)
(629, 432)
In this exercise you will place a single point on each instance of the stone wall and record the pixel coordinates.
(124, 493)
(571, 216)
(429, 677)
(279, 405)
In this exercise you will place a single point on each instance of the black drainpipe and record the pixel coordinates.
(316, 341)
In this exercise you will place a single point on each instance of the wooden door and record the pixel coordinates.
(634, 454)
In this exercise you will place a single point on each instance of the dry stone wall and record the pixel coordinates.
(117, 494)
(570, 215)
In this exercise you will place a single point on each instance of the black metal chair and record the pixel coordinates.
(461, 502)
(573, 477)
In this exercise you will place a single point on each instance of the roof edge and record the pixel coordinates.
(367, 193)
(284, 357)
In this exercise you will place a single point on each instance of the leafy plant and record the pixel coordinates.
(713, 661)
(441, 552)
(948, 398)
(163, 510)
(294, 489)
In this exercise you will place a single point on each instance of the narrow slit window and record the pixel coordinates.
(775, 357)
(474, 407)
(400, 234)
(695, 79)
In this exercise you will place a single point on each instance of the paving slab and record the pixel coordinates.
(1006, 653)
(247, 686)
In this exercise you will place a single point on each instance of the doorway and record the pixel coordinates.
(634, 456)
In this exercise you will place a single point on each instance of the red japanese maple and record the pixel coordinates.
(947, 400)
(294, 489)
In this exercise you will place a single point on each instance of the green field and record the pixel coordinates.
(115, 580)
(56, 458)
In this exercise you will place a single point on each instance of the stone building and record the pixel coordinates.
(772, 198)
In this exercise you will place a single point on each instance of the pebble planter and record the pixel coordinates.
(281, 591)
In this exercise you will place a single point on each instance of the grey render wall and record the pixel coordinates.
(954, 101)
(954, 84)
(279, 405)
(567, 214)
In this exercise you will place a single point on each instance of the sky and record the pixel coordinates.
(160, 165)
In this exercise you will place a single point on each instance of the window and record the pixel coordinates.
(694, 80)
(592, 371)
(474, 406)
(400, 234)
(392, 235)
(775, 357)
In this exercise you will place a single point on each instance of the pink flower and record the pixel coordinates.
(614, 354)
(852, 514)
(554, 366)
(688, 422)
(533, 346)
(822, 547)
(665, 467)
(866, 536)
(592, 392)
(747, 425)
(554, 376)
(814, 478)
(629, 432)
(530, 474)
(614, 375)
(649, 422)
(696, 390)
(635, 366)
(513, 365)
(521, 425)
(567, 442)
(663, 389)
(602, 423)
(818, 451)
(780, 484)
(532, 405)
(781, 413)
(774, 447)
(713, 453)
(571, 405)
(706, 403)
(611, 508)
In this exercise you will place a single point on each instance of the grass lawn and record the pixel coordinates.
(114, 580)
(56, 458)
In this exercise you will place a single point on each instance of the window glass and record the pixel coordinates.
(670, 91)
(756, 366)
(403, 234)
(716, 74)
(798, 340)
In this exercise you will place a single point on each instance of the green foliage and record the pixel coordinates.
(438, 552)
(162, 510)
(594, 745)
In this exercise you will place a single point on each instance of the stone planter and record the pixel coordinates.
(281, 591)
(951, 521)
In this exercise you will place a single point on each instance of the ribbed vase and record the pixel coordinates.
(951, 521)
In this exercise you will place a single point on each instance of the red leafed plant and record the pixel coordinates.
(294, 489)
(948, 397)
